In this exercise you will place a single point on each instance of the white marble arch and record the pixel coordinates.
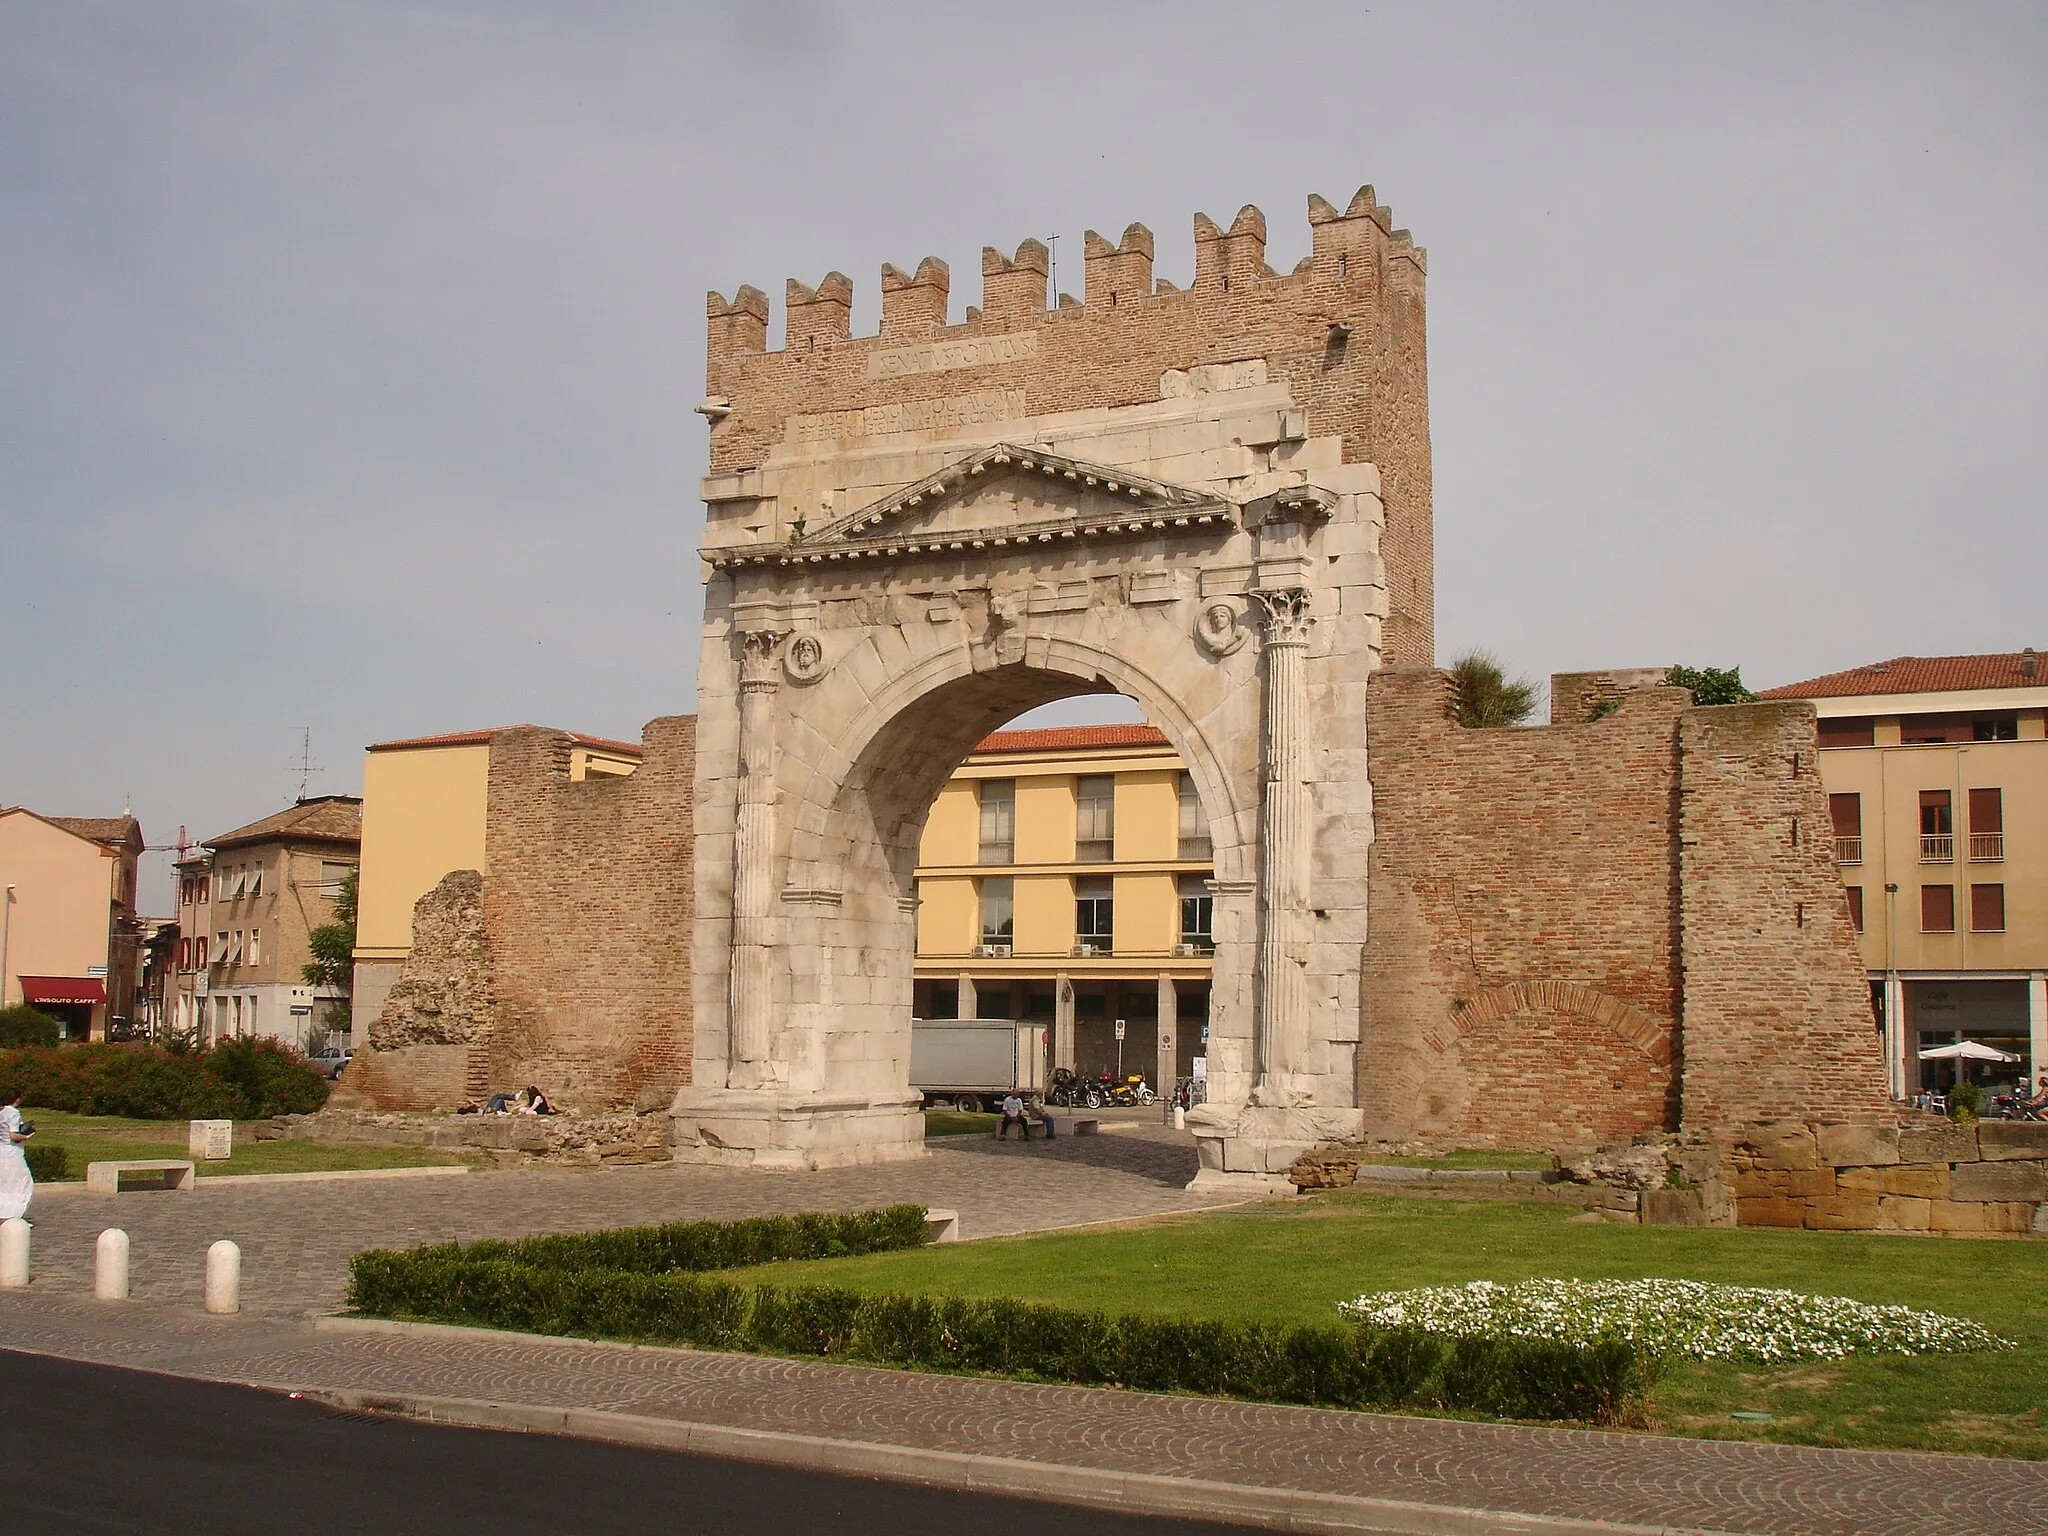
(844, 675)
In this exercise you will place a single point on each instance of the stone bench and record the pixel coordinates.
(170, 1172)
(1073, 1125)
(941, 1226)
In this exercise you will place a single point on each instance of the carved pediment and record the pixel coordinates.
(1000, 496)
(1005, 489)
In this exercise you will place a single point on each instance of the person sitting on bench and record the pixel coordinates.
(1013, 1114)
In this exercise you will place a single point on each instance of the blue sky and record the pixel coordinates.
(348, 350)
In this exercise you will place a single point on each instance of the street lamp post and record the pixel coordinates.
(6, 929)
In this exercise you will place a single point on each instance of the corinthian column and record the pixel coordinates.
(1280, 1000)
(753, 860)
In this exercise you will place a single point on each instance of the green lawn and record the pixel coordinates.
(98, 1138)
(1295, 1260)
(1471, 1157)
(950, 1122)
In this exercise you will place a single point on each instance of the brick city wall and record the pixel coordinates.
(1574, 943)
(589, 902)
(1012, 356)
(1778, 1020)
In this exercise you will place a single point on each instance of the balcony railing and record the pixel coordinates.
(1937, 848)
(1987, 847)
(1848, 850)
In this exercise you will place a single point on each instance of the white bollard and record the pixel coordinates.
(1180, 1118)
(223, 1278)
(110, 1266)
(13, 1254)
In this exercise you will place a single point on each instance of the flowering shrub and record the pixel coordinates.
(1694, 1318)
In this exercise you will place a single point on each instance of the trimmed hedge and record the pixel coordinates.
(245, 1079)
(46, 1165)
(24, 1024)
(563, 1286)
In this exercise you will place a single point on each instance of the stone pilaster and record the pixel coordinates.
(753, 863)
(1280, 1021)
(1063, 1022)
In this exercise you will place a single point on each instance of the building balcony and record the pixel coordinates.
(1937, 848)
(1848, 850)
(1987, 847)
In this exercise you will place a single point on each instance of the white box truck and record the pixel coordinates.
(971, 1064)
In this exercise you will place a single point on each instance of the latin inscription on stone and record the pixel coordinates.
(938, 356)
(908, 416)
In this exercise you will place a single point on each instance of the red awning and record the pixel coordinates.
(63, 989)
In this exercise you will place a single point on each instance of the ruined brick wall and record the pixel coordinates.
(1520, 984)
(1778, 1022)
(1588, 931)
(429, 1046)
(589, 902)
(1012, 357)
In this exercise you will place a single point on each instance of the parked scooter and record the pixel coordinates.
(1126, 1092)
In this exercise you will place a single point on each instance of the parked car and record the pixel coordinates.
(332, 1060)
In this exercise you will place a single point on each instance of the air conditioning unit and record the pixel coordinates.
(991, 951)
(1188, 951)
(1088, 950)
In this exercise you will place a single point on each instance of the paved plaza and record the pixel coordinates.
(1346, 1471)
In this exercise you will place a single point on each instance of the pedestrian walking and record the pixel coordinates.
(17, 1185)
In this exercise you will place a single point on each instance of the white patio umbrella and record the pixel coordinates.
(1967, 1050)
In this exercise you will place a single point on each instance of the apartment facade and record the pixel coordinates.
(70, 940)
(1936, 769)
(1065, 876)
(248, 902)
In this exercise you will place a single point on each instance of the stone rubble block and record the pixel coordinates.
(1939, 1142)
(2008, 1140)
(1859, 1146)
(2000, 1181)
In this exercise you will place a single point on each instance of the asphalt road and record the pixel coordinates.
(89, 1448)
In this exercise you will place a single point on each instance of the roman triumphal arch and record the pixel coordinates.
(888, 583)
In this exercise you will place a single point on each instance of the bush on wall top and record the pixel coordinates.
(246, 1079)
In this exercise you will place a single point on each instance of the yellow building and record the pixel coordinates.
(424, 804)
(1937, 775)
(1064, 876)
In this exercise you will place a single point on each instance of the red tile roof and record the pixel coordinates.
(328, 819)
(1923, 674)
(482, 738)
(108, 831)
(1069, 738)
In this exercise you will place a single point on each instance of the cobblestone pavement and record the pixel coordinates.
(296, 1238)
(1684, 1485)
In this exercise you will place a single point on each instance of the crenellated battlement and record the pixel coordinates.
(1343, 332)
(1228, 261)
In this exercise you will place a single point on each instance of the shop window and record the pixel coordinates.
(1095, 818)
(1194, 826)
(998, 821)
(1937, 909)
(1855, 731)
(998, 910)
(1197, 913)
(1094, 913)
(1987, 909)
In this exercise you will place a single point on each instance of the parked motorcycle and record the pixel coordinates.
(1125, 1092)
(1070, 1091)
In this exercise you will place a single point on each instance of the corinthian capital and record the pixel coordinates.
(1283, 616)
(758, 649)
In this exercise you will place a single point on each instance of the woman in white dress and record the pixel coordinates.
(16, 1187)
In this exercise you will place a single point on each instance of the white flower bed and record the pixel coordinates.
(1693, 1318)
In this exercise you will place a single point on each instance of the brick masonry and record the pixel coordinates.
(568, 964)
(1587, 932)
(1368, 385)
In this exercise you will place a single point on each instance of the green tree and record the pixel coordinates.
(1710, 685)
(1484, 697)
(334, 946)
